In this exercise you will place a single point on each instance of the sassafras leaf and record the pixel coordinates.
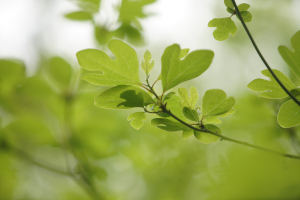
(168, 125)
(207, 138)
(147, 64)
(289, 114)
(270, 88)
(137, 120)
(225, 26)
(190, 114)
(188, 101)
(175, 71)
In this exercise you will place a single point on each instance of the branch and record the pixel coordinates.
(261, 56)
(228, 138)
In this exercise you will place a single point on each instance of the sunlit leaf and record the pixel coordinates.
(188, 133)
(216, 103)
(208, 138)
(168, 96)
(168, 125)
(137, 119)
(147, 64)
(229, 4)
(289, 114)
(190, 114)
(243, 7)
(215, 119)
(188, 101)
(175, 71)
(270, 88)
(184, 53)
(123, 97)
(79, 16)
(124, 70)
(225, 26)
(292, 58)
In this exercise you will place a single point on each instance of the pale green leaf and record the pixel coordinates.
(168, 125)
(188, 101)
(207, 138)
(292, 57)
(137, 120)
(243, 7)
(215, 103)
(289, 114)
(215, 119)
(187, 133)
(168, 96)
(270, 88)
(173, 104)
(225, 26)
(147, 64)
(175, 71)
(190, 114)
(228, 4)
(247, 16)
(124, 70)
(184, 53)
(123, 97)
(79, 16)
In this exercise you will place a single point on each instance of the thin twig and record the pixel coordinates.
(261, 56)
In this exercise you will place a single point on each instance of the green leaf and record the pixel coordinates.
(215, 103)
(207, 138)
(292, 57)
(138, 120)
(231, 11)
(225, 26)
(188, 101)
(175, 71)
(229, 4)
(190, 114)
(79, 16)
(147, 65)
(60, 72)
(289, 114)
(123, 97)
(168, 96)
(168, 125)
(184, 53)
(91, 6)
(295, 92)
(247, 16)
(215, 119)
(173, 104)
(270, 88)
(124, 70)
(102, 34)
(188, 133)
(243, 7)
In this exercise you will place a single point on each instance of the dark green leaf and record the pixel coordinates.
(190, 114)
(168, 125)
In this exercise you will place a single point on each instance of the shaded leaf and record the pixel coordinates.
(247, 16)
(231, 11)
(175, 71)
(137, 120)
(79, 16)
(188, 133)
(123, 97)
(289, 114)
(190, 114)
(215, 103)
(147, 65)
(168, 96)
(124, 70)
(225, 26)
(292, 58)
(270, 88)
(168, 125)
(207, 138)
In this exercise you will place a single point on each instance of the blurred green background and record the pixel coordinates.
(55, 144)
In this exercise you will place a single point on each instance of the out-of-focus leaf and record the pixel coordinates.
(243, 7)
(292, 58)
(228, 4)
(175, 71)
(207, 138)
(132, 34)
(124, 70)
(91, 6)
(168, 125)
(79, 16)
(188, 101)
(216, 103)
(137, 119)
(188, 133)
(225, 26)
(60, 72)
(289, 114)
(8, 181)
(190, 114)
(270, 88)
(147, 64)
(184, 53)
(123, 97)
(103, 35)
(247, 16)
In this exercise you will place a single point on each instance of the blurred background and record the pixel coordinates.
(55, 144)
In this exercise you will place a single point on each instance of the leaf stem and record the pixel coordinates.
(203, 129)
(261, 56)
